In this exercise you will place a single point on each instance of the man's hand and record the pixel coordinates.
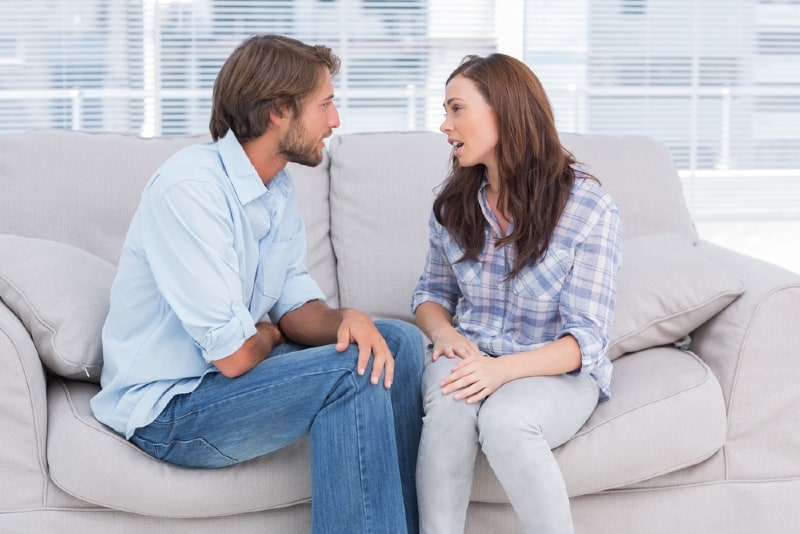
(315, 324)
(356, 327)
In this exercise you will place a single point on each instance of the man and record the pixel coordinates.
(218, 346)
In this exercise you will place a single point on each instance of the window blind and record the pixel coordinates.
(148, 66)
(718, 81)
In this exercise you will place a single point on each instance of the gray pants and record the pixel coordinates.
(516, 426)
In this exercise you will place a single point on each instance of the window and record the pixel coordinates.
(718, 81)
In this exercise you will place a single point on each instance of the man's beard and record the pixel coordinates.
(299, 148)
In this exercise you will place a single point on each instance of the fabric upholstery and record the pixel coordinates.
(76, 187)
(661, 393)
(60, 293)
(640, 175)
(101, 467)
(666, 289)
(691, 441)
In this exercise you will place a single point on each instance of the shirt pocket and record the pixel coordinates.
(273, 269)
(468, 273)
(545, 279)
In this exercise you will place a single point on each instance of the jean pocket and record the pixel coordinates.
(195, 452)
(179, 441)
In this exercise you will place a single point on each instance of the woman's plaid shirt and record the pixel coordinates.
(571, 290)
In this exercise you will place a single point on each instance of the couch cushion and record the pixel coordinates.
(60, 293)
(76, 187)
(666, 412)
(640, 175)
(313, 198)
(666, 289)
(92, 463)
(382, 189)
(85, 190)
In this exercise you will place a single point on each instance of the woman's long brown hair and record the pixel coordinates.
(536, 174)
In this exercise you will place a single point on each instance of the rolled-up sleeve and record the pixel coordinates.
(195, 266)
(589, 295)
(437, 282)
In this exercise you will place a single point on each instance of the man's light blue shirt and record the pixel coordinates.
(210, 252)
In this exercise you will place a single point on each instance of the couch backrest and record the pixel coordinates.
(382, 189)
(76, 187)
(367, 222)
(83, 188)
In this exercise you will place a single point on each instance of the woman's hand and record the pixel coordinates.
(447, 341)
(475, 378)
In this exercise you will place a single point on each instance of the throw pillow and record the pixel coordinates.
(60, 293)
(666, 289)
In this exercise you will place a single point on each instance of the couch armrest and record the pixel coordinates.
(23, 418)
(753, 346)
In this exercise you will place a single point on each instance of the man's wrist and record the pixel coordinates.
(271, 332)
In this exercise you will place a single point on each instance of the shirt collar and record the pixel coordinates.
(483, 202)
(240, 171)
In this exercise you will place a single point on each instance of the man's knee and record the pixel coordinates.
(403, 337)
(396, 328)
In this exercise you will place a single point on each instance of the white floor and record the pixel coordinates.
(774, 241)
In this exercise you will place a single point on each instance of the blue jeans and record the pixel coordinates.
(364, 438)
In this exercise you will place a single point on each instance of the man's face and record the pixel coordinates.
(303, 141)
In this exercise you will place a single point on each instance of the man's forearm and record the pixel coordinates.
(314, 323)
(252, 352)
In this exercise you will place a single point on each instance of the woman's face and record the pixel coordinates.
(470, 125)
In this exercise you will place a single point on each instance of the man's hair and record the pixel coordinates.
(266, 73)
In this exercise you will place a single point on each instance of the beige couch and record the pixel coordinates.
(701, 434)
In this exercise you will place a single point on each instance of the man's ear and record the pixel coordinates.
(279, 112)
(277, 116)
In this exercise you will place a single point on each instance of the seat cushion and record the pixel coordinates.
(666, 413)
(92, 463)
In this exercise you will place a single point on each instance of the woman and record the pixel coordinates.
(517, 295)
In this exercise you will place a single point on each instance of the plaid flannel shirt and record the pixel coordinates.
(570, 291)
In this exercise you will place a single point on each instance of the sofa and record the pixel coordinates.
(701, 434)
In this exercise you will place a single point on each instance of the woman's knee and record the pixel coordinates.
(501, 426)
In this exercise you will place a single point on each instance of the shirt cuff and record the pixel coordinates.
(592, 348)
(225, 340)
